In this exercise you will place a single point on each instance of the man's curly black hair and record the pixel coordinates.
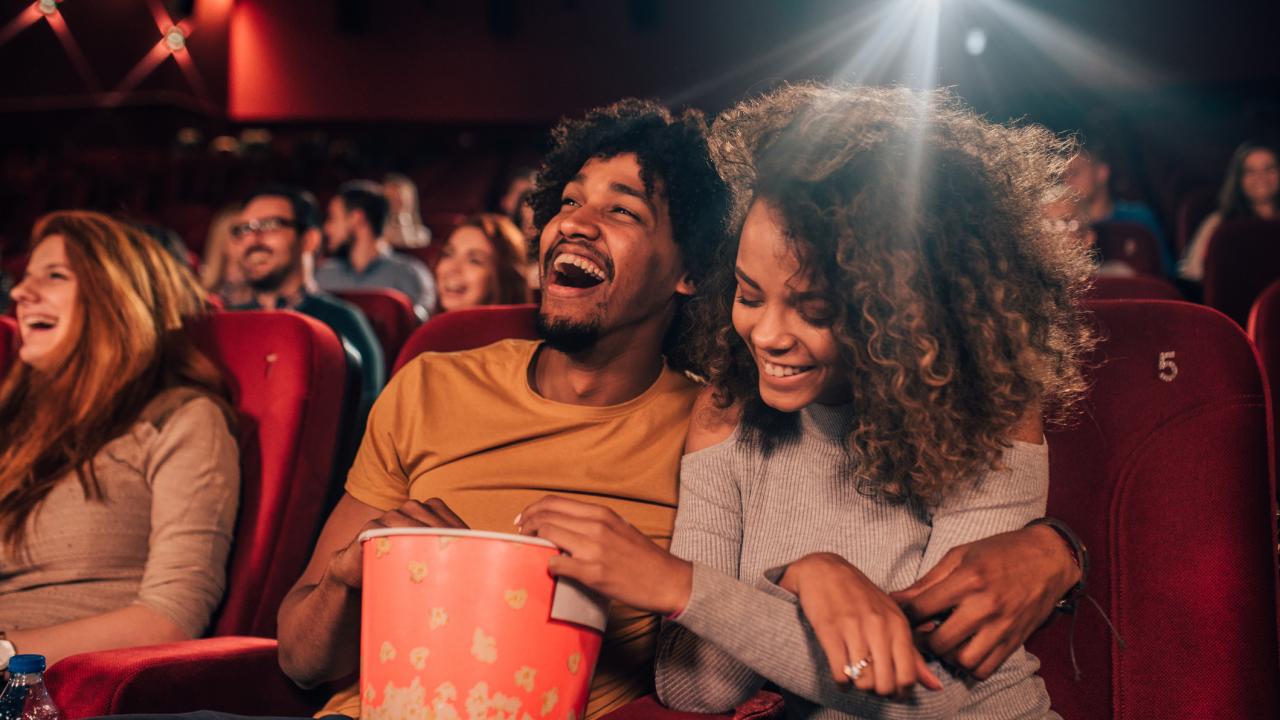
(674, 161)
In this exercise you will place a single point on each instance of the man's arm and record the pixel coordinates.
(319, 620)
(998, 589)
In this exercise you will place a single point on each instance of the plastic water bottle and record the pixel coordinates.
(25, 697)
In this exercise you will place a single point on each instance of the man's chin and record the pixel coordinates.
(567, 334)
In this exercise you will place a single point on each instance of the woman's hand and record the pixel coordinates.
(855, 621)
(607, 554)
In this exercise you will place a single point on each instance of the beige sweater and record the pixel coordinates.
(159, 538)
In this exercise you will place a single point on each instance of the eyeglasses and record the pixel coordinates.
(266, 225)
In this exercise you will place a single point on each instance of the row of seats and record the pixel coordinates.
(1167, 475)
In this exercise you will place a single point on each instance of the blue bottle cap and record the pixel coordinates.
(26, 664)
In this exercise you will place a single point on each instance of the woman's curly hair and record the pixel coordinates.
(956, 307)
(674, 158)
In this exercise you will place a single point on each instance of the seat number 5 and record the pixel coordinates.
(1166, 368)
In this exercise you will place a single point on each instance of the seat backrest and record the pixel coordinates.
(1264, 330)
(8, 344)
(429, 255)
(1193, 208)
(286, 373)
(1130, 243)
(470, 328)
(1136, 287)
(1242, 260)
(391, 314)
(1167, 475)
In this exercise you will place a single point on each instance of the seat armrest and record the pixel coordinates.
(229, 674)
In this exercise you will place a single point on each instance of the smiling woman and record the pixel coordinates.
(483, 263)
(112, 420)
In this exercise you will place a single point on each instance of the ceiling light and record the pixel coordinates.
(175, 39)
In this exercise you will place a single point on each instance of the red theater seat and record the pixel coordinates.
(1243, 258)
(391, 314)
(1167, 476)
(286, 374)
(1264, 330)
(470, 328)
(191, 221)
(1137, 287)
(1130, 243)
(8, 344)
(1192, 210)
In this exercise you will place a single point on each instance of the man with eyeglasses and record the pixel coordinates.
(276, 237)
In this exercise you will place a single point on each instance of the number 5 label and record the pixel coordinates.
(1166, 368)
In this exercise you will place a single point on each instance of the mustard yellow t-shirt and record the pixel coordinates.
(466, 427)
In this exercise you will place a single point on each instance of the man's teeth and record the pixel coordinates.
(780, 371)
(581, 263)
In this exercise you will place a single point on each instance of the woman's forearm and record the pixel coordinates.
(129, 626)
(768, 634)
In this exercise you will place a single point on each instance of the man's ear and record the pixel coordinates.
(1103, 172)
(311, 241)
(685, 286)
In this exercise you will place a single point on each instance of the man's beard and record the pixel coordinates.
(568, 336)
(269, 282)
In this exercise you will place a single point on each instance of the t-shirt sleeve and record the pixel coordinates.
(377, 477)
(194, 473)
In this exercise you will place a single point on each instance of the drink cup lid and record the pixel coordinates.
(26, 664)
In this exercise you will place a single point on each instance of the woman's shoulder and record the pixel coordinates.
(184, 405)
(710, 422)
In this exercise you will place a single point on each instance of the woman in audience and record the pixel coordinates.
(119, 475)
(404, 228)
(881, 341)
(483, 263)
(1251, 189)
(220, 271)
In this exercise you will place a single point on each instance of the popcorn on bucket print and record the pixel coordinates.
(484, 647)
(549, 700)
(575, 662)
(439, 618)
(480, 706)
(525, 677)
(381, 546)
(516, 598)
(387, 652)
(418, 657)
(417, 571)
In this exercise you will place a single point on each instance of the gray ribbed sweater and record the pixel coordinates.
(742, 517)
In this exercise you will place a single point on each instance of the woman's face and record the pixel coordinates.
(1260, 179)
(783, 320)
(46, 302)
(466, 270)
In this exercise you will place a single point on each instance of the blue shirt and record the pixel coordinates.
(388, 270)
(1137, 212)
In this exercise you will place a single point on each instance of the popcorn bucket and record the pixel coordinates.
(464, 624)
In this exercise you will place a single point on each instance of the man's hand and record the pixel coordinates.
(998, 590)
(347, 564)
(856, 621)
(607, 554)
